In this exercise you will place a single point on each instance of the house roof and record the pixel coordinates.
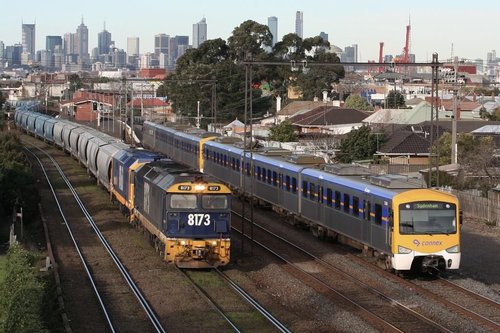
(298, 107)
(329, 115)
(488, 129)
(148, 103)
(407, 143)
(421, 113)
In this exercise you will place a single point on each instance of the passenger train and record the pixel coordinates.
(405, 225)
(187, 214)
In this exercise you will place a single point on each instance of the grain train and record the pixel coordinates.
(406, 226)
(187, 214)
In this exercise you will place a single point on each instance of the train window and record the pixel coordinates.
(264, 173)
(320, 194)
(248, 169)
(337, 200)
(214, 202)
(355, 206)
(258, 173)
(275, 178)
(304, 188)
(294, 185)
(287, 183)
(347, 201)
(312, 191)
(269, 176)
(368, 210)
(238, 165)
(378, 214)
(329, 197)
(225, 160)
(184, 201)
(233, 164)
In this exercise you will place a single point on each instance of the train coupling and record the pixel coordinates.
(431, 264)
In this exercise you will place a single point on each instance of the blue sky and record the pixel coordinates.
(470, 26)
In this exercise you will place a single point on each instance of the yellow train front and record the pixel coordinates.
(188, 215)
(426, 231)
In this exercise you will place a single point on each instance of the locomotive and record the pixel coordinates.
(187, 214)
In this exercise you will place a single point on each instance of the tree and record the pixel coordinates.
(17, 184)
(355, 101)
(359, 144)
(395, 100)
(249, 39)
(283, 132)
(475, 155)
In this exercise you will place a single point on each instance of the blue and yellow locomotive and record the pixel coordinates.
(187, 215)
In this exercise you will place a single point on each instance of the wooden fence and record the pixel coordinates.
(476, 206)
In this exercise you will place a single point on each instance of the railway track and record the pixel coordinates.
(382, 311)
(233, 303)
(101, 264)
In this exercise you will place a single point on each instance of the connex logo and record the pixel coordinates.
(416, 242)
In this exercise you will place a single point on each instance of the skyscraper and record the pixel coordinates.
(299, 24)
(199, 33)
(2, 51)
(162, 42)
(324, 35)
(82, 43)
(103, 41)
(132, 46)
(51, 42)
(272, 23)
(29, 38)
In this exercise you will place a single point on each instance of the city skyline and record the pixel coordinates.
(450, 28)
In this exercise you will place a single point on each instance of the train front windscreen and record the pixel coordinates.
(427, 217)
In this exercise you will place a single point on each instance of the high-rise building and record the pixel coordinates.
(29, 38)
(13, 54)
(162, 42)
(69, 43)
(350, 53)
(2, 50)
(272, 23)
(299, 24)
(104, 41)
(52, 41)
(324, 36)
(132, 46)
(82, 43)
(199, 33)
(178, 46)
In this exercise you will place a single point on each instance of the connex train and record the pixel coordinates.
(187, 214)
(406, 226)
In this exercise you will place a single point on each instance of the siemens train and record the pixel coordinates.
(187, 214)
(408, 227)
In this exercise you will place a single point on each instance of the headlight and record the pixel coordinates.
(403, 250)
(214, 243)
(183, 242)
(199, 187)
(453, 249)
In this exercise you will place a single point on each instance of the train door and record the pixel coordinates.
(367, 220)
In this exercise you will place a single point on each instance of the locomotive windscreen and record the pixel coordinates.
(427, 217)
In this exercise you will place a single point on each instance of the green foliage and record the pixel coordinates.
(21, 294)
(17, 184)
(355, 101)
(283, 132)
(218, 64)
(358, 144)
(75, 82)
(395, 100)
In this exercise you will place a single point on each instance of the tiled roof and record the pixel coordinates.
(406, 143)
(329, 115)
(148, 103)
(299, 107)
